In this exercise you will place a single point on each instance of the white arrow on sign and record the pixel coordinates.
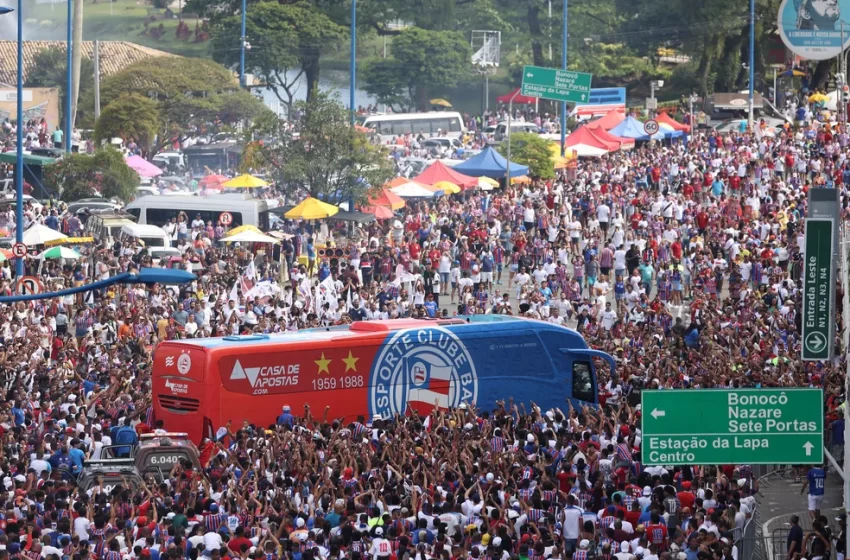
(582, 97)
(808, 446)
(529, 75)
(657, 413)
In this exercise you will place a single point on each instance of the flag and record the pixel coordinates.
(431, 383)
(251, 270)
(234, 293)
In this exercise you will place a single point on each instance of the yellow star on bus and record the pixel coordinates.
(350, 362)
(323, 364)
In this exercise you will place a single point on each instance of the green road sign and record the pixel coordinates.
(732, 427)
(818, 290)
(558, 85)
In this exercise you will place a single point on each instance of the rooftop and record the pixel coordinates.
(115, 56)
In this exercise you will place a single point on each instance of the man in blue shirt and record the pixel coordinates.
(816, 483)
(18, 414)
(286, 418)
(77, 456)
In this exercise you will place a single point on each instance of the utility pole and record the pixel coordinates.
(76, 61)
(69, 49)
(96, 60)
(752, 60)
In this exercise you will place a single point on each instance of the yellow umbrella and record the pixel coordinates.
(440, 102)
(521, 180)
(446, 187)
(312, 209)
(817, 97)
(246, 227)
(245, 181)
(487, 184)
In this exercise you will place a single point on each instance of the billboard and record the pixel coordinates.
(812, 28)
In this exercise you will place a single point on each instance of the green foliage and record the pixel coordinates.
(531, 150)
(79, 175)
(327, 157)
(50, 70)
(283, 37)
(191, 95)
(129, 116)
(422, 61)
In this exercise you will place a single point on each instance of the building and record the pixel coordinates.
(115, 56)
(38, 103)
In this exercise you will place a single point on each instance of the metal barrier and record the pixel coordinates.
(748, 543)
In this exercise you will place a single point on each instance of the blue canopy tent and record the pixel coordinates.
(490, 163)
(633, 128)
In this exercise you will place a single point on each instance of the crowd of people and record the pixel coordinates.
(682, 260)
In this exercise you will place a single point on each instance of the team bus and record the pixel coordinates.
(373, 368)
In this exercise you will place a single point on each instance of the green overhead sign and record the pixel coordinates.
(732, 426)
(558, 85)
(818, 290)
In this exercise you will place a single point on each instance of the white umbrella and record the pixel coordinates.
(59, 253)
(413, 189)
(39, 235)
(250, 237)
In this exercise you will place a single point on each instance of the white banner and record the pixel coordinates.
(11, 95)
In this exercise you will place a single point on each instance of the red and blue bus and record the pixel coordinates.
(371, 369)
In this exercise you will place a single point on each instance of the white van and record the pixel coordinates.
(151, 236)
(158, 210)
(106, 226)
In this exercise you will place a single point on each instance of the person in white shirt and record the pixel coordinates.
(381, 547)
(609, 317)
(572, 524)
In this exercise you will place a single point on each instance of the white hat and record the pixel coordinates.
(584, 543)
(20, 478)
(497, 542)
(72, 397)
(490, 477)
(624, 546)
(299, 522)
(647, 491)
(529, 438)
(379, 531)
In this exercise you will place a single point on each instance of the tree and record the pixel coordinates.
(129, 116)
(531, 150)
(421, 61)
(285, 36)
(49, 70)
(191, 96)
(324, 156)
(78, 176)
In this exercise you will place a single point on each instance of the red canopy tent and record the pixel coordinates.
(602, 134)
(438, 171)
(664, 118)
(588, 137)
(607, 122)
(518, 100)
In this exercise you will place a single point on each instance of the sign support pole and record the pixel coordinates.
(564, 66)
(508, 135)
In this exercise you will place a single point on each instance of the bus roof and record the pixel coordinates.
(490, 323)
(409, 116)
